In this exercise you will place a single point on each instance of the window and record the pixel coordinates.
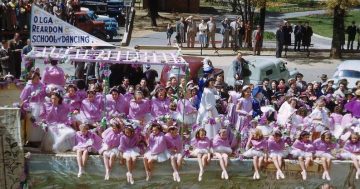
(268, 72)
(349, 73)
(282, 67)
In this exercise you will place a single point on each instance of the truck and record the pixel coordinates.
(93, 27)
(111, 25)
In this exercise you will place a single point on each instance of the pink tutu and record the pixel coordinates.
(131, 153)
(252, 152)
(299, 153)
(199, 151)
(59, 138)
(158, 157)
(323, 154)
(223, 149)
(282, 154)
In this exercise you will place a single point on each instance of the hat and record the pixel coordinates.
(191, 82)
(172, 127)
(267, 109)
(91, 78)
(357, 92)
(257, 90)
(299, 75)
(279, 95)
(324, 77)
(147, 66)
(245, 87)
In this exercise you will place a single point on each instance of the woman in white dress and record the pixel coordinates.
(208, 110)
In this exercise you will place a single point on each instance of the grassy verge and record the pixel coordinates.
(323, 24)
(269, 36)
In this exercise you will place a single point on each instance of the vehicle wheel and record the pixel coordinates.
(111, 37)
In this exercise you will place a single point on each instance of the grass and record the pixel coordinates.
(269, 36)
(323, 24)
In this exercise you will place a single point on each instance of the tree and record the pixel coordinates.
(339, 8)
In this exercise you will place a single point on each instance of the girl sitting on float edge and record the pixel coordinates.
(129, 148)
(175, 146)
(323, 147)
(256, 148)
(85, 142)
(157, 149)
(111, 142)
(201, 145)
(277, 151)
(222, 149)
(303, 150)
(352, 151)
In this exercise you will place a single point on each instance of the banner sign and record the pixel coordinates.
(48, 30)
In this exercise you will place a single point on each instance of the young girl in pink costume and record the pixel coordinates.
(90, 109)
(319, 118)
(277, 151)
(256, 148)
(244, 110)
(335, 120)
(186, 112)
(175, 146)
(157, 149)
(129, 148)
(201, 145)
(222, 148)
(85, 142)
(352, 151)
(111, 142)
(140, 108)
(323, 147)
(234, 96)
(303, 150)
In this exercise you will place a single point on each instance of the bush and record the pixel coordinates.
(269, 36)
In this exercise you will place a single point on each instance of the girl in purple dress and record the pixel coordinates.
(128, 96)
(201, 145)
(175, 146)
(244, 110)
(85, 142)
(256, 148)
(115, 104)
(186, 112)
(90, 109)
(72, 99)
(336, 119)
(303, 150)
(129, 148)
(319, 118)
(54, 75)
(59, 136)
(157, 151)
(222, 149)
(323, 147)
(354, 105)
(111, 142)
(352, 151)
(276, 147)
(140, 108)
(234, 96)
(160, 103)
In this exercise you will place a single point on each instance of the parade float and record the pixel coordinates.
(29, 167)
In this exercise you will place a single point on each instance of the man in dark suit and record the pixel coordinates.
(279, 41)
(298, 32)
(351, 31)
(15, 49)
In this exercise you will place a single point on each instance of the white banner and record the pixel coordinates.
(48, 30)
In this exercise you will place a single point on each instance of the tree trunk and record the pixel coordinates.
(153, 11)
(262, 20)
(338, 32)
(234, 4)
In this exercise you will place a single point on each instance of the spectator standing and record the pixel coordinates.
(191, 31)
(11, 10)
(306, 40)
(225, 31)
(234, 33)
(203, 28)
(27, 48)
(16, 46)
(212, 30)
(298, 33)
(287, 29)
(4, 57)
(238, 67)
(351, 31)
(2, 16)
(280, 39)
(169, 32)
(248, 30)
(150, 75)
(358, 39)
(180, 31)
(257, 40)
(241, 33)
